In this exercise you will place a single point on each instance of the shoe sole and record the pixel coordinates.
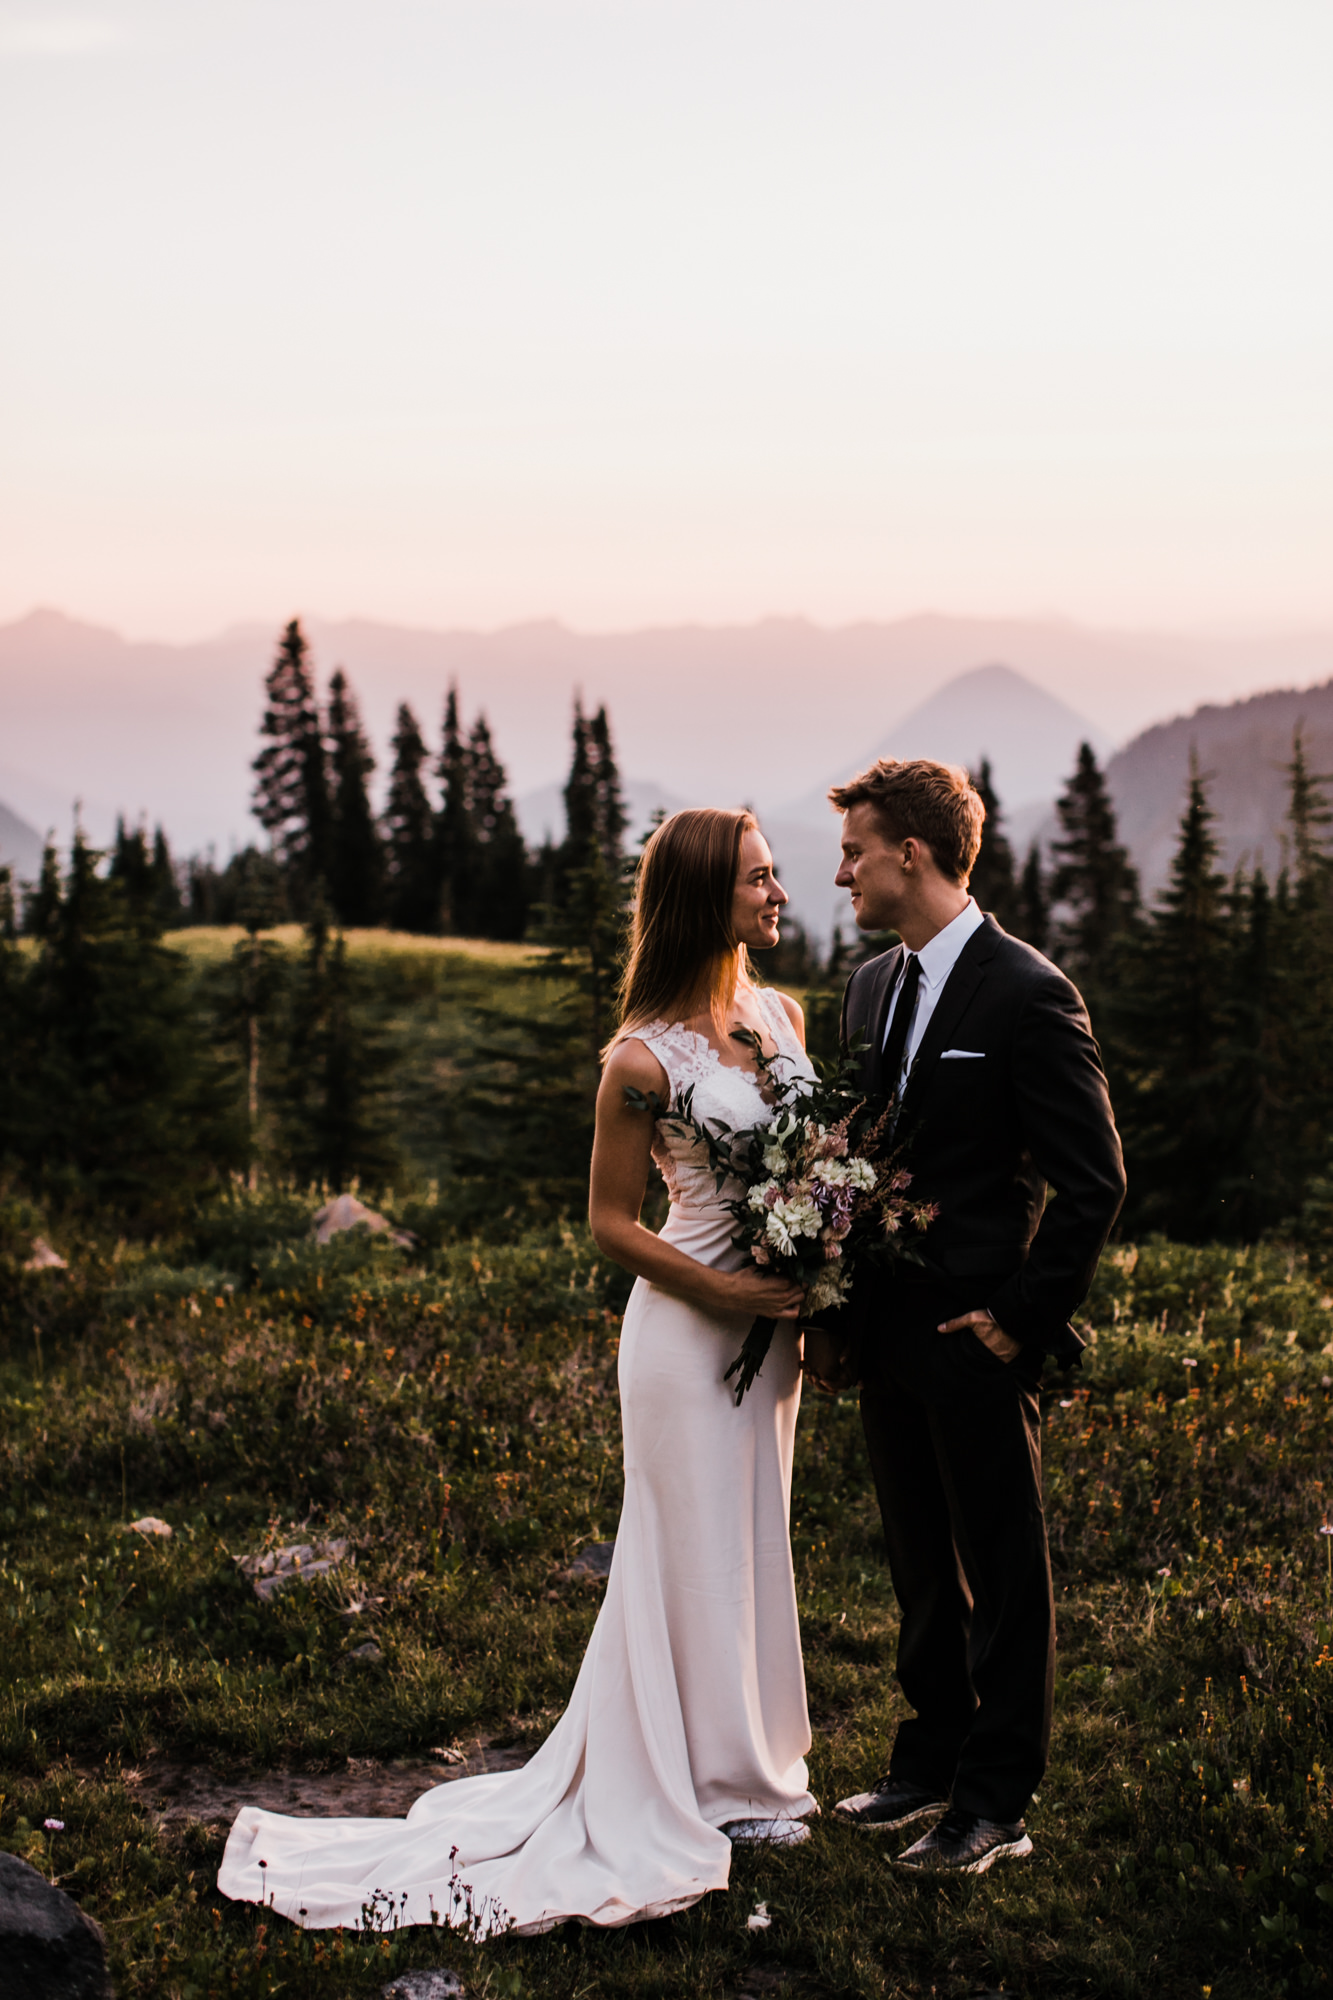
(1011, 1850)
(766, 1834)
(888, 1825)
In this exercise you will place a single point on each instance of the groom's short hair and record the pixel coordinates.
(916, 799)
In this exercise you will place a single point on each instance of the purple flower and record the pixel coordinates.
(54, 1825)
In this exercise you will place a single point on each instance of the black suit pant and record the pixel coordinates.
(954, 1437)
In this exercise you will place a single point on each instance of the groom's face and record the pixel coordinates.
(872, 869)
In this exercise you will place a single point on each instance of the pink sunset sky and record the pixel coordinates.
(460, 312)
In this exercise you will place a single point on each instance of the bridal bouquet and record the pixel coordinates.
(816, 1197)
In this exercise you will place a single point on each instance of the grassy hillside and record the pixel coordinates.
(451, 1413)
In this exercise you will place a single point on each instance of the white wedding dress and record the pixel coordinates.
(689, 1708)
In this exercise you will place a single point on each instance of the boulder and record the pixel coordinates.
(49, 1949)
(437, 1984)
(273, 1569)
(368, 1655)
(44, 1258)
(346, 1212)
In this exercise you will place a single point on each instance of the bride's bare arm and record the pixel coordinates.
(621, 1156)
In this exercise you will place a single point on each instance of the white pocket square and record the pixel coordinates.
(963, 1055)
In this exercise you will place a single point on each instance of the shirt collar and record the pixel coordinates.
(939, 957)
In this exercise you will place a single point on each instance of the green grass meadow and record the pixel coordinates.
(451, 1411)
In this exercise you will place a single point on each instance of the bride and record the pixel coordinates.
(687, 1727)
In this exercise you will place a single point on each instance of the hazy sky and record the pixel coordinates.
(466, 311)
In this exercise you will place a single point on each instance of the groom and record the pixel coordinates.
(1003, 1099)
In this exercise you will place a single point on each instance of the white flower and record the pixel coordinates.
(776, 1232)
(762, 1196)
(847, 1173)
(775, 1160)
(799, 1215)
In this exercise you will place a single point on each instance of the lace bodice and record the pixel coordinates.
(722, 1091)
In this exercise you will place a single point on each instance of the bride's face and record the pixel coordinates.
(759, 896)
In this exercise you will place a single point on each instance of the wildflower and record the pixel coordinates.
(54, 1825)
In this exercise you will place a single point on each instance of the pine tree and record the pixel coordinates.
(356, 857)
(291, 796)
(499, 890)
(1292, 1049)
(611, 819)
(1094, 889)
(334, 1125)
(993, 882)
(132, 867)
(167, 903)
(455, 839)
(247, 997)
(1033, 920)
(413, 899)
(41, 905)
(1183, 1115)
(130, 1109)
(586, 929)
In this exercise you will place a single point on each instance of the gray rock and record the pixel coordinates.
(274, 1569)
(434, 1985)
(593, 1559)
(368, 1655)
(592, 1564)
(346, 1212)
(49, 1948)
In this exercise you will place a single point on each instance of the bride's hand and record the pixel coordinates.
(758, 1293)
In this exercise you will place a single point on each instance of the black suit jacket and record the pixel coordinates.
(985, 1134)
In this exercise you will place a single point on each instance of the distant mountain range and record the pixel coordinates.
(20, 846)
(1242, 750)
(747, 714)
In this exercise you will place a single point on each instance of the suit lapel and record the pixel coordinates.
(971, 968)
(886, 970)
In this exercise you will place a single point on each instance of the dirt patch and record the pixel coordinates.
(363, 1788)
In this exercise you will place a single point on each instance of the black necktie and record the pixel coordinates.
(896, 1044)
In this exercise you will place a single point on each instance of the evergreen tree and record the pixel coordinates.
(41, 905)
(611, 818)
(586, 929)
(1033, 920)
(291, 796)
(334, 1125)
(8, 913)
(167, 901)
(993, 882)
(1289, 1042)
(595, 817)
(455, 834)
(409, 834)
(129, 1112)
(1094, 889)
(247, 996)
(356, 857)
(499, 889)
(1183, 1115)
(132, 867)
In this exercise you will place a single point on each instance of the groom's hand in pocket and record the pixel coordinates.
(987, 1330)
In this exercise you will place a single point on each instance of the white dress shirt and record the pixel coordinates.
(938, 959)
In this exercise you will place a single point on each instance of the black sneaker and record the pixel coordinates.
(965, 1844)
(892, 1804)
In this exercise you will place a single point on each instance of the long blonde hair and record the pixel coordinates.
(684, 957)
